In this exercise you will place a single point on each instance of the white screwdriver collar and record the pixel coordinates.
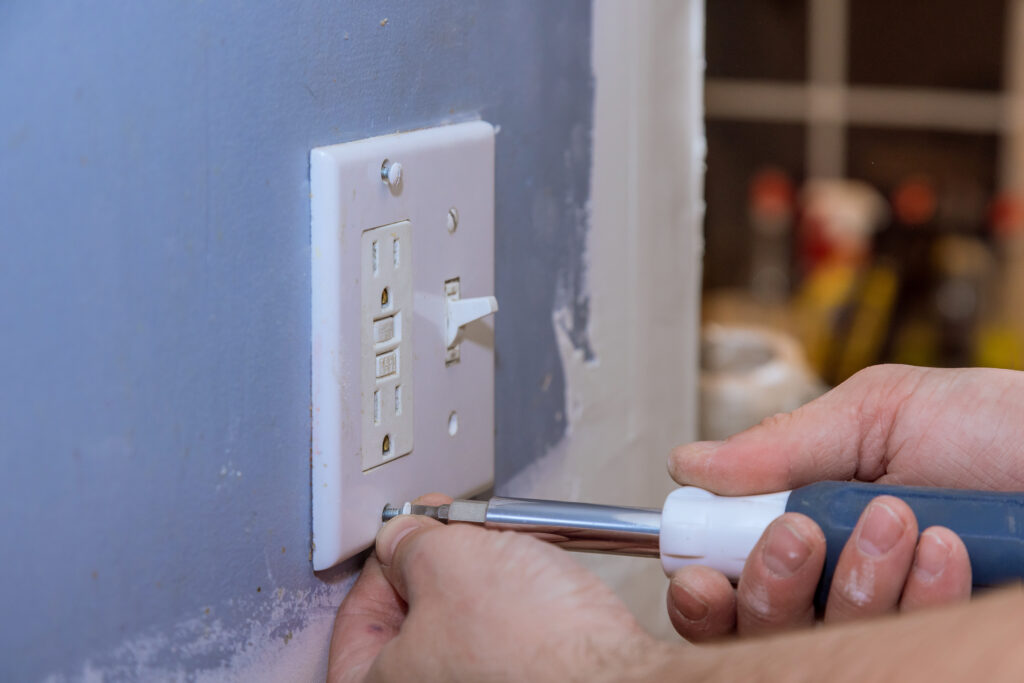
(698, 527)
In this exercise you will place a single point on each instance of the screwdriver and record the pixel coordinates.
(698, 527)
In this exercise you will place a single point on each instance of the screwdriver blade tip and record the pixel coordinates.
(438, 512)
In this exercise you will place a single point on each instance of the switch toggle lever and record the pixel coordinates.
(461, 312)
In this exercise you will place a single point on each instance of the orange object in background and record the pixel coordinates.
(914, 201)
(772, 194)
(771, 211)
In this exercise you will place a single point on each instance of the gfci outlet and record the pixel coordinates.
(403, 342)
(386, 343)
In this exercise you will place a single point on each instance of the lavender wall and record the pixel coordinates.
(154, 298)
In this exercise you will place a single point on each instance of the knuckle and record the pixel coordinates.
(757, 603)
(849, 600)
(886, 380)
(417, 546)
(874, 373)
(459, 536)
(855, 592)
(436, 546)
(777, 421)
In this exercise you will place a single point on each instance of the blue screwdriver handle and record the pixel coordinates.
(990, 523)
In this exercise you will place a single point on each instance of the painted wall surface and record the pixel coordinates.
(154, 301)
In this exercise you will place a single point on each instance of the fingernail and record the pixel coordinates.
(392, 534)
(690, 452)
(689, 605)
(785, 550)
(881, 529)
(699, 448)
(931, 556)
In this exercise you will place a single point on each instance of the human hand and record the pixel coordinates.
(461, 603)
(890, 424)
(465, 604)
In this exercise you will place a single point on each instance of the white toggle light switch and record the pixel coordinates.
(461, 312)
(402, 351)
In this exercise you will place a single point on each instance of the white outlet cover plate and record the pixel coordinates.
(444, 167)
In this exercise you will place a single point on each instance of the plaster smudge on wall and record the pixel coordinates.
(572, 302)
(283, 638)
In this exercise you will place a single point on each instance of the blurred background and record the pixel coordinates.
(864, 173)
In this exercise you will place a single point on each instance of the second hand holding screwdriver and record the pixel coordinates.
(698, 527)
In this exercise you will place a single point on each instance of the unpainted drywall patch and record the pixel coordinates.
(557, 473)
(572, 301)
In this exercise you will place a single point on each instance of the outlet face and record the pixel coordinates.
(394, 415)
(386, 377)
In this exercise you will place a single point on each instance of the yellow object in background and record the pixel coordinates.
(916, 343)
(998, 346)
(818, 306)
(861, 346)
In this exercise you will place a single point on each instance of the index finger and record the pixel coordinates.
(841, 435)
(369, 617)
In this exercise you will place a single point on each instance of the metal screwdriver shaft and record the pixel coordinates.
(574, 526)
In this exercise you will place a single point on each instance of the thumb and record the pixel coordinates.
(841, 435)
(400, 546)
